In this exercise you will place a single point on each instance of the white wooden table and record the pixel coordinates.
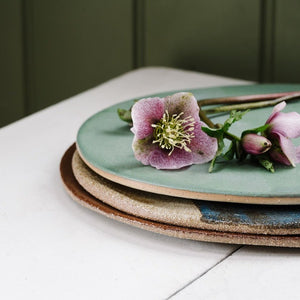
(52, 248)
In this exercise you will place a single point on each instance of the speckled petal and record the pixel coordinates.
(182, 102)
(203, 146)
(150, 154)
(288, 155)
(142, 149)
(144, 113)
(178, 159)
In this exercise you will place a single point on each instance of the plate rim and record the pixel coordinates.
(186, 193)
(157, 189)
(81, 196)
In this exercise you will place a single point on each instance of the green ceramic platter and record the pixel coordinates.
(104, 143)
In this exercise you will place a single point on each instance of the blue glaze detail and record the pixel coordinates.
(257, 215)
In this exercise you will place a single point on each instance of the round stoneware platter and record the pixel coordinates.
(104, 144)
(181, 218)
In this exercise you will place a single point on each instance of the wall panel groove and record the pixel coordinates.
(11, 62)
(287, 41)
(267, 41)
(139, 33)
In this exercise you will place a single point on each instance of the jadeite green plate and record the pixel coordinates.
(104, 143)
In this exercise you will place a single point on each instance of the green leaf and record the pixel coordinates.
(221, 145)
(220, 133)
(266, 163)
(125, 115)
(213, 132)
(260, 129)
(212, 164)
(234, 117)
(229, 155)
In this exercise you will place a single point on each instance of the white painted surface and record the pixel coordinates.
(251, 273)
(52, 248)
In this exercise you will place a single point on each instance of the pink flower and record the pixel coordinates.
(255, 144)
(284, 127)
(168, 132)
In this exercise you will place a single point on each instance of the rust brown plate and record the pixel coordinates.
(81, 196)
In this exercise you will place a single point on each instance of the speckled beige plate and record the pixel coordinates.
(80, 195)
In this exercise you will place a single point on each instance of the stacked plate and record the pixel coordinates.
(238, 203)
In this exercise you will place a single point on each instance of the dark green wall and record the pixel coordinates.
(73, 45)
(53, 49)
(12, 101)
(220, 37)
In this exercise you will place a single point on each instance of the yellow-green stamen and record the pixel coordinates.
(174, 132)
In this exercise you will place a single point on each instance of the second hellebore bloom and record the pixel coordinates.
(167, 132)
(282, 128)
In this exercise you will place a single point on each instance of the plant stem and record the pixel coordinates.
(243, 106)
(205, 119)
(231, 136)
(244, 99)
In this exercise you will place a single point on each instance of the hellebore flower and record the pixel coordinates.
(168, 132)
(282, 128)
(255, 144)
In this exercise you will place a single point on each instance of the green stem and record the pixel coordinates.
(243, 99)
(231, 136)
(243, 106)
(205, 119)
(210, 124)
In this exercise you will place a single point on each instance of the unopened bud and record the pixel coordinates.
(255, 144)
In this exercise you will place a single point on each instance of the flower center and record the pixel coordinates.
(174, 132)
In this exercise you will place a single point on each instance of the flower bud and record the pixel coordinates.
(255, 144)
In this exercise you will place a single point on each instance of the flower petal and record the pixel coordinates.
(142, 149)
(150, 154)
(287, 155)
(277, 108)
(182, 102)
(144, 113)
(203, 147)
(297, 154)
(179, 158)
(287, 124)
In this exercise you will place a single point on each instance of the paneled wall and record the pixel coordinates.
(72, 45)
(220, 37)
(12, 101)
(287, 41)
(54, 49)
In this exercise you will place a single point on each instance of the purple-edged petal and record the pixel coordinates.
(182, 102)
(287, 124)
(150, 154)
(297, 154)
(179, 159)
(142, 149)
(287, 154)
(277, 108)
(203, 147)
(144, 113)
